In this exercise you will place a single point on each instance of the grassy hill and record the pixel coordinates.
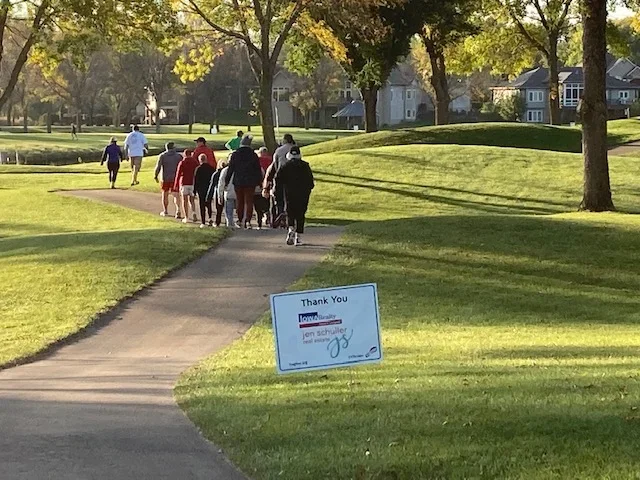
(509, 328)
(519, 135)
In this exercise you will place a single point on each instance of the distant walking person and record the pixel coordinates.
(112, 155)
(135, 146)
(168, 166)
(203, 148)
(234, 143)
(74, 132)
(184, 183)
(296, 180)
(244, 167)
(202, 181)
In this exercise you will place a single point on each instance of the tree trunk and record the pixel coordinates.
(49, 108)
(25, 118)
(78, 122)
(438, 80)
(597, 188)
(554, 81)
(370, 97)
(266, 110)
(10, 114)
(192, 114)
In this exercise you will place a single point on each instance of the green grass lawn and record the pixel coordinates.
(58, 147)
(520, 135)
(509, 328)
(64, 260)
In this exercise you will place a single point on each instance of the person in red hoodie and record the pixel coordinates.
(202, 148)
(184, 183)
(265, 159)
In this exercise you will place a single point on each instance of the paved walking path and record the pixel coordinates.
(626, 149)
(103, 407)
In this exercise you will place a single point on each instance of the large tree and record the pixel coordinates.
(368, 39)
(597, 186)
(542, 23)
(449, 24)
(262, 27)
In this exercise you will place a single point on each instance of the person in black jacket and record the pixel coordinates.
(244, 167)
(201, 185)
(296, 181)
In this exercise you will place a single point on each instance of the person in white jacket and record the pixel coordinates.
(227, 194)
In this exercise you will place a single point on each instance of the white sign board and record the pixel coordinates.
(327, 328)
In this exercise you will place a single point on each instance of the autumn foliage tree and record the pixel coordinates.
(368, 39)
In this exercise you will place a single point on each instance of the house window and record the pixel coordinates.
(623, 95)
(411, 114)
(280, 94)
(571, 94)
(535, 116)
(345, 93)
(536, 96)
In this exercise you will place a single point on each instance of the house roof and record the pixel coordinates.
(353, 110)
(539, 78)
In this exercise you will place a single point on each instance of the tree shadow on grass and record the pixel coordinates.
(493, 270)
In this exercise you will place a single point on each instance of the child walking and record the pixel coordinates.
(227, 196)
(201, 183)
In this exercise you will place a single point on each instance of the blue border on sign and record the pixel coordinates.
(374, 286)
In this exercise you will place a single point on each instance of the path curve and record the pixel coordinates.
(103, 407)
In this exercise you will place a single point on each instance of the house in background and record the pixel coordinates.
(533, 87)
(399, 101)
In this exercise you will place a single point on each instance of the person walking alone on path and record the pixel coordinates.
(202, 148)
(168, 165)
(74, 132)
(135, 146)
(244, 167)
(234, 143)
(296, 180)
(112, 155)
(185, 177)
(202, 180)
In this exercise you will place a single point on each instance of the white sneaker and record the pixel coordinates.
(178, 216)
(298, 240)
(185, 220)
(290, 237)
(164, 214)
(203, 225)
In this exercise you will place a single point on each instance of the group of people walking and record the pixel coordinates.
(275, 187)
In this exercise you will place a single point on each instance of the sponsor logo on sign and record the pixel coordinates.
(314, 319)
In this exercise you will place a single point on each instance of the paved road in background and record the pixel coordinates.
(103, 407)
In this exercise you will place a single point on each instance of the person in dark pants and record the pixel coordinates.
(244, 168)
(202, 181)
(113, 156)
(213, 195)
(296, 181)
(279, 159)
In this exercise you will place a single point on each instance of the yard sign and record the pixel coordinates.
(326, 328)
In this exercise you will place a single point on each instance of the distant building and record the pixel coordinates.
(623, 86)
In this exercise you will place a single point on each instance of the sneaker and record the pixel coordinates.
(137, 183)
(298, 240)
(178, 216)
(185, 220)
(237, 225)
(247, 226)
(164, 214)
(290, 237)
(203, 225)
(133, 184)
(211, 223)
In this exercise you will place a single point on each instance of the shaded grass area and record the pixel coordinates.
(518, 135)
(509, 330)
(65, 260)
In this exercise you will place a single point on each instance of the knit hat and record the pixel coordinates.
(246, 141)
(294, 154)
